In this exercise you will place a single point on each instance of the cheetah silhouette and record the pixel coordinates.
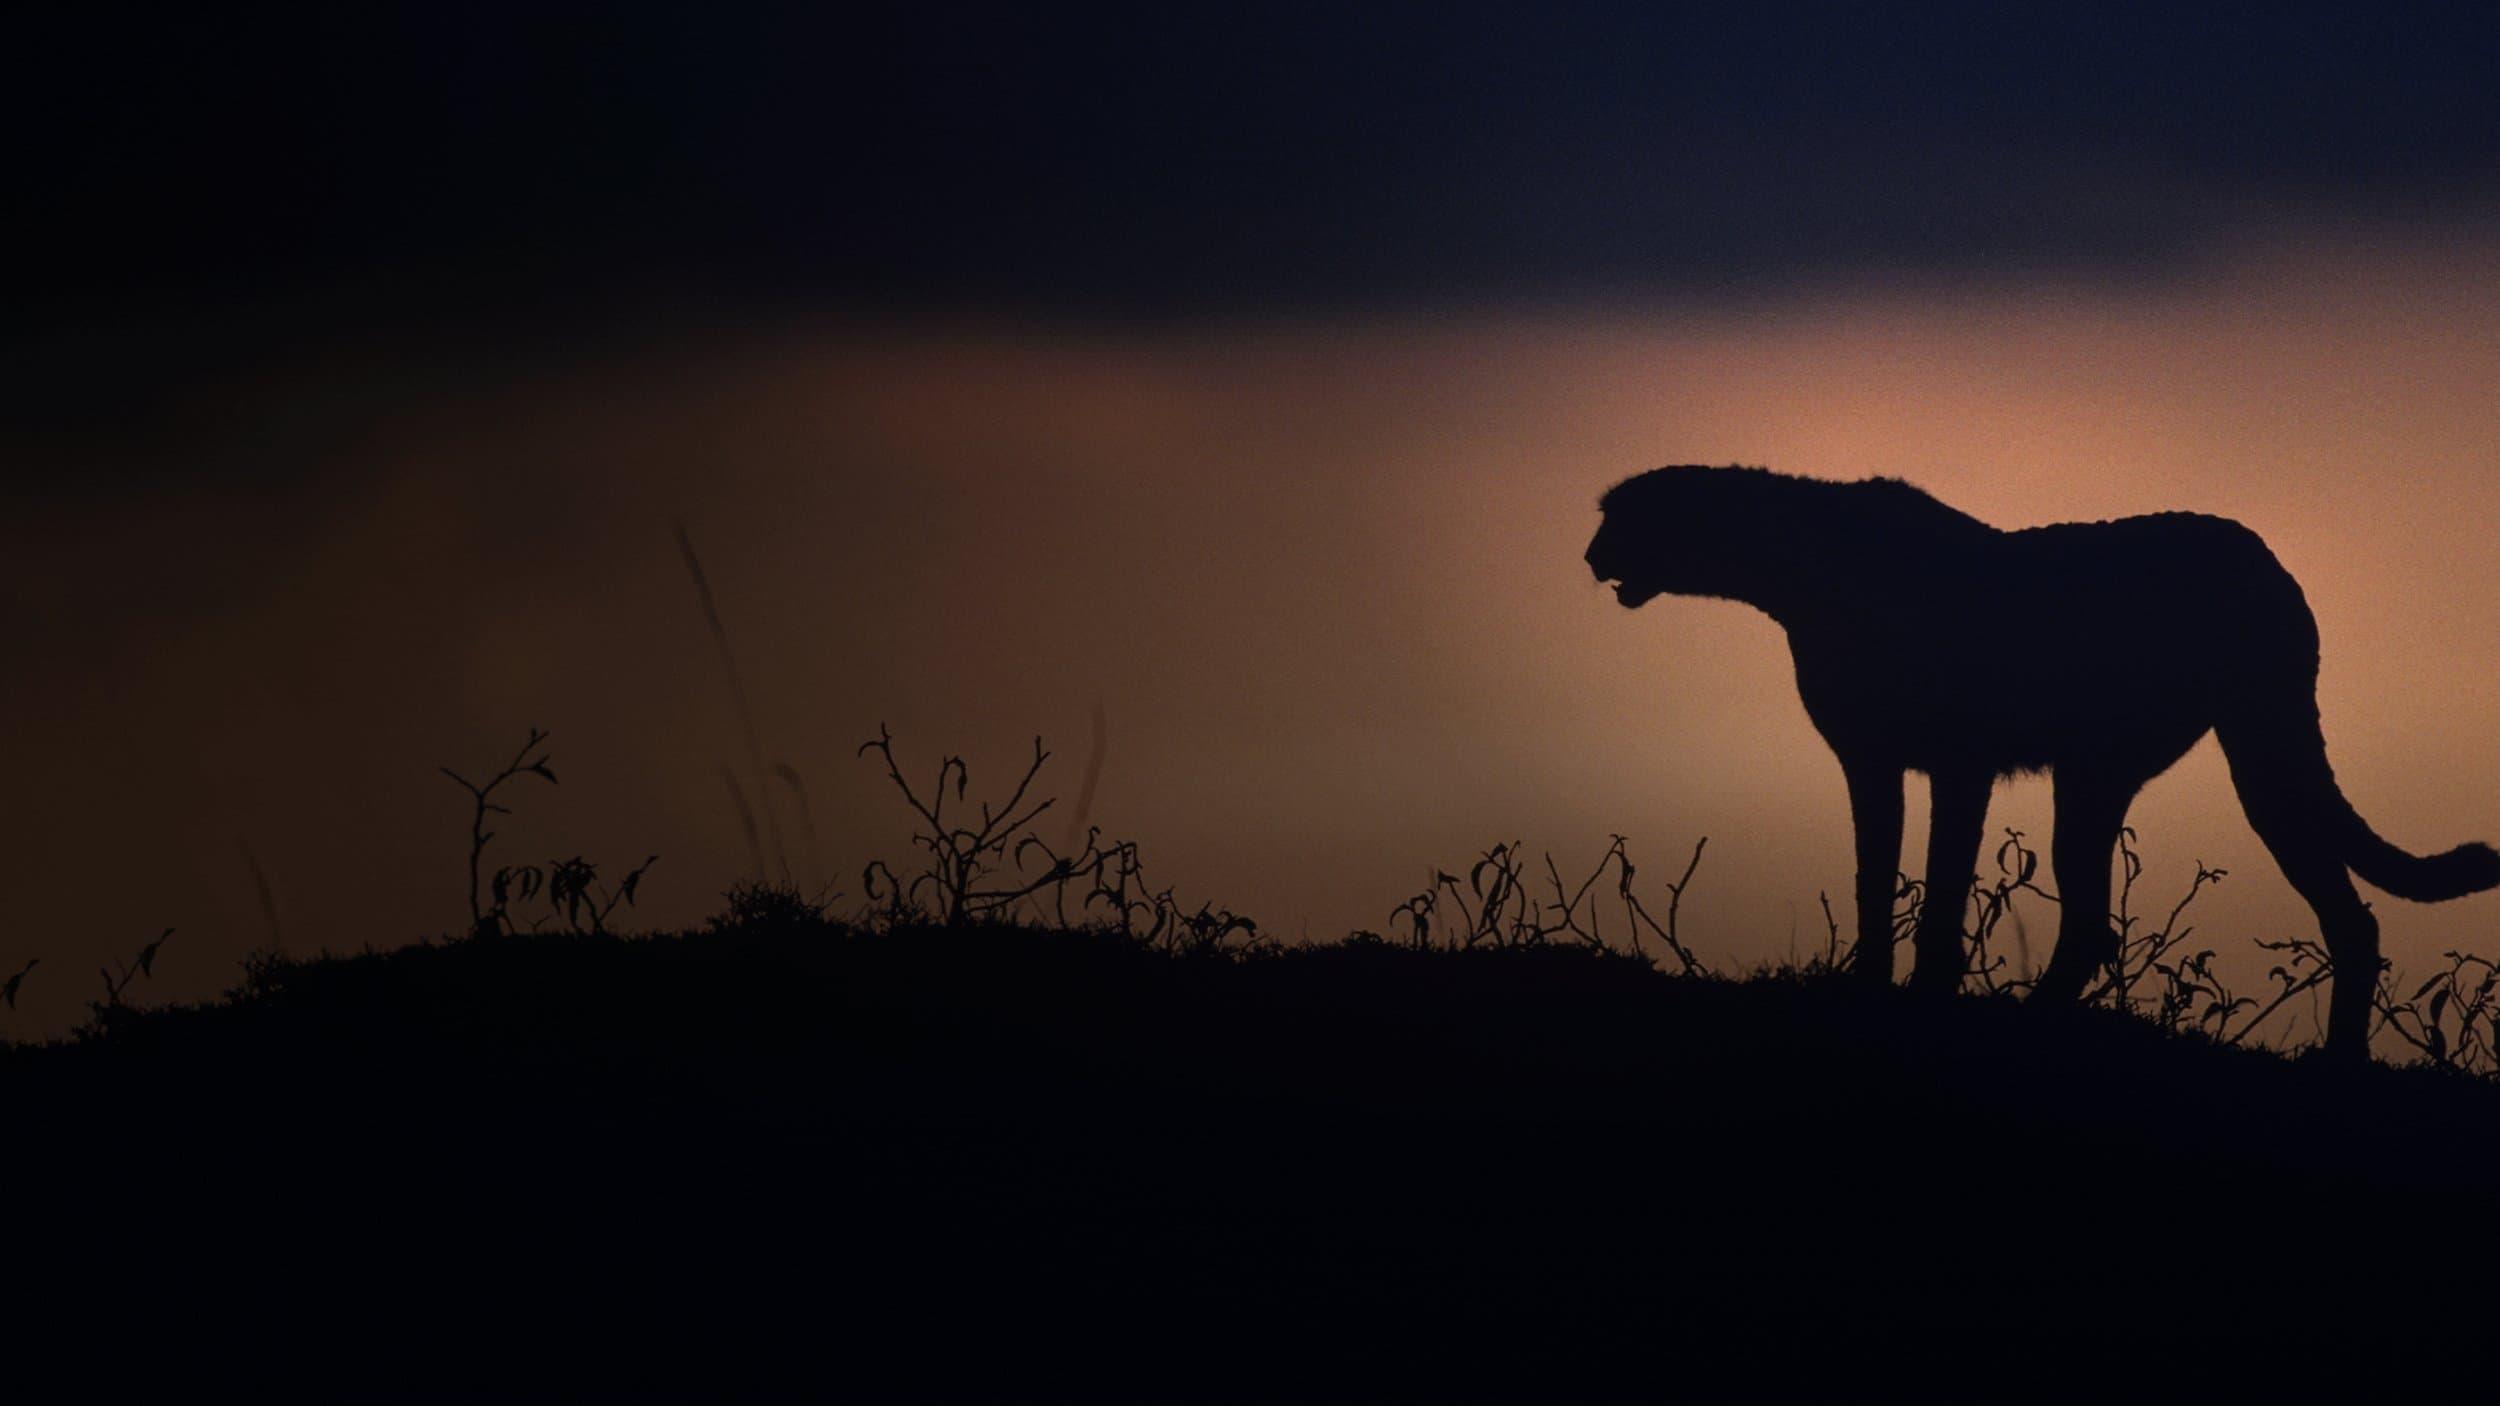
(2137, 637)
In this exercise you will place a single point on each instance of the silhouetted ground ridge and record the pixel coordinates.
(808, 1161)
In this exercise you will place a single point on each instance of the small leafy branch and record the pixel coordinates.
(2305, 967)
(2453, 1018)
(1494, 907)
(962, 856)
(572, 892)
(2183, 982)
(570, 888)
(985, 871)
(143, 965)
(531, 760)
(8, 988)
(1992, 903)
(1117, 890)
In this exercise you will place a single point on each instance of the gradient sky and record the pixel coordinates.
(1252, 375)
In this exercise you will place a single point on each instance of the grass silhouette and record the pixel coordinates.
(1025, 1127)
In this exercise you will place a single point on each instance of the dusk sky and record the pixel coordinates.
(1248, 372)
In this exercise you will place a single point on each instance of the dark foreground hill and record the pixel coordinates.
(813, 1162)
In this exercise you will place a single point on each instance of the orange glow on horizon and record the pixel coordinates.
(1324, 579)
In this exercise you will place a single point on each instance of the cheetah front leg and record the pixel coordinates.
(1875, 810)
(1957, 813)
